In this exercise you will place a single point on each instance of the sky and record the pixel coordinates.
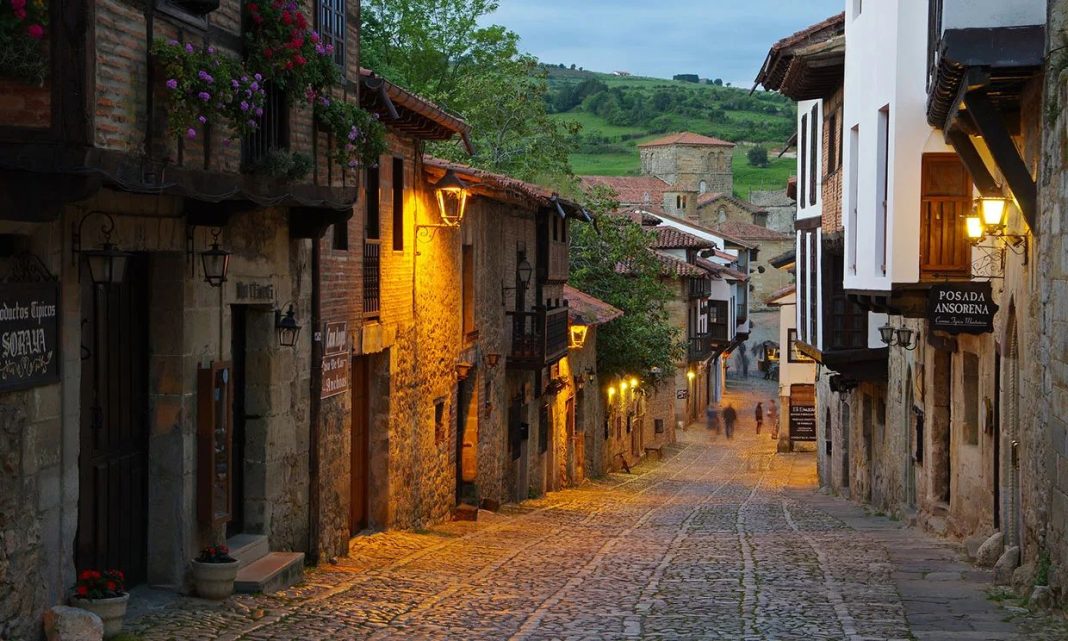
(726, 39)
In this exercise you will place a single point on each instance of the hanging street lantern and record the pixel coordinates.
(525, 271)
(993, 211)
(107, 265)
(287, 327)
(216, 262)
(452, 198)
(578, 336)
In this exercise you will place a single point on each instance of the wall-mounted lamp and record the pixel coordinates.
(107, 265)
(591, 375)
(899, 337)
(491, 360)
(577, 336)
(523, 272)
(452, 198)
(216, 261)
(691, 375)
(988, 221)
(611, 393)
(287, 327)
(462, 370)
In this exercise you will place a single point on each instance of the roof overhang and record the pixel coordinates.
(816, 71)
(505, 188)
(860, 365)
(409, 114)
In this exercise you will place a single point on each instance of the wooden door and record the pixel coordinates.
(238, 351)
(359, 459)
(578, 438)
(112, 501)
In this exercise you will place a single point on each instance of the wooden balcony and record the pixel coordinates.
(539, 338)
(699, 288)
(559, 262)
(700, 347)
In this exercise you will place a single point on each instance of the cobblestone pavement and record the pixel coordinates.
(721, 540)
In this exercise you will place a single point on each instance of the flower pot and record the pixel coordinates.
(111, 611)
(214, 580)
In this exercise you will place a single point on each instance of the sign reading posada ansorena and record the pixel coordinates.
(962, 308)
(29, 334)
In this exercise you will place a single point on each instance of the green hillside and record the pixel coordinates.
(616, 113)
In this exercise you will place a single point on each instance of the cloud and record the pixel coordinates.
(715, 38)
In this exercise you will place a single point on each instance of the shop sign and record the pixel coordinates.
(962, 308)
(253, 292)
(335, 359)
(802, 412)
(682, 394)
(29, 334)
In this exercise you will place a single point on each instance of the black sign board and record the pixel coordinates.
(29, 334)
(682, 394)
(961, 308)
(802, 412)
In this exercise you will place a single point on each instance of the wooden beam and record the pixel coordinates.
(981, 176)
(1006, 156)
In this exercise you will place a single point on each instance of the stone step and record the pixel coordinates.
(271, 573)
(247, 548)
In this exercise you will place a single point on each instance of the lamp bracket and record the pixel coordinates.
(106, 228)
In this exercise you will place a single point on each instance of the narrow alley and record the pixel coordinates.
(721, 540)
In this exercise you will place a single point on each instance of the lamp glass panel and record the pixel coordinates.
(904, 337)
(886, 333)
(578, 335)
(216, 263)
(974, 227)
(993, 211)
(452, 203)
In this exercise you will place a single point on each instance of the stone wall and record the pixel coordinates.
(782, 210)
(686, 166)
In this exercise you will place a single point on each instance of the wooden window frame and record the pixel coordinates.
(957, 205)
(398, 204)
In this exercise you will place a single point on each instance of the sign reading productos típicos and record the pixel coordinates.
(961, 308)
(29, 334)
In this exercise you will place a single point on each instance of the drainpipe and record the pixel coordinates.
(315, 405)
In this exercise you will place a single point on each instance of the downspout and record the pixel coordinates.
(315, 405)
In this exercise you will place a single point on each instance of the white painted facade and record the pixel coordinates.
(885, 135)
(965, 14)
(809, 159)
(790, 373)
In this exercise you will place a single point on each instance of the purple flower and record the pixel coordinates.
(252, 123)
(173, 43)
(259, 112)
(202, 120)
(205, 96)
(353, 133)
(320, 49)
(254, 86)
(235, 84)
(244, 106)
(191, 133)
(211, 50)
(330, 48)
(245, 78)
(188, 48)
(352, 163)
(257, 77)
(172, 84)
(325, 101)
(205, 76)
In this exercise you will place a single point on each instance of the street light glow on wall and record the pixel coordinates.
(452, 198)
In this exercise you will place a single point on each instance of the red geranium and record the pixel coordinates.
(94, 584)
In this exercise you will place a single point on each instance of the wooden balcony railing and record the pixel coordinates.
(372, 277)
(539, 338)
(699, 288)
(700, 347)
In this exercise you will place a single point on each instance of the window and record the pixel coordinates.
(468, 284)
(703, 186)
(858, 8)
(813, 150)
(543, 429)
(373, 228)
(854, 169)
(440, 431)
(795, 355)
(832, 143)
(882, 188)
(658, 425)
(341, 236)
(718, 310)
(398, 204)
(273, 133)
(945, 201)
(971, 398)
(802, 155)
(332, 28)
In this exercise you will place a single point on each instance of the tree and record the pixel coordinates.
(642, 339)
(757, 156)
(718, 82)
(438, 49)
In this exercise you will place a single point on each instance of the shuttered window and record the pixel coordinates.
(945, 202)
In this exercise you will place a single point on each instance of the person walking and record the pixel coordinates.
(773, 418)
(712, 419)
(759, 416)
(730, 416)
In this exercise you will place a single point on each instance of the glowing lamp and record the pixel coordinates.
(452, 198)
(623, 386)
(974, 226)
(691, 375)
(633, 382)
(611, 392)
(904, 337)
(578, 336)
(993, 211)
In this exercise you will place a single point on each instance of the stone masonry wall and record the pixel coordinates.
(685, 166)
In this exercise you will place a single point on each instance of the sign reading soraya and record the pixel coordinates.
(29, 334)
(961, 308)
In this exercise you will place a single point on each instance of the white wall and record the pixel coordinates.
(888, 70)
(961, 14)
(804, 113)
(790, 373)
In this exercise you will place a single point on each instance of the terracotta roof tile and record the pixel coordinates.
(678, 267)
(706, 199)
(632, 190)
(687, 138)
(780, 293)
(588, 310)
(721, 271)
(749, 231)
(674, 238)
(529, 191)
(431, 121)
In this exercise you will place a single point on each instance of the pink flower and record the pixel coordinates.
(172, 84)
(18, 4)
(35, 31)
(20, 14)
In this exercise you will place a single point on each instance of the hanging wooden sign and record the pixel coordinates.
(29, 334)
(962, 308)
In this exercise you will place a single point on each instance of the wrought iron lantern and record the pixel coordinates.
(578, 335)
(216, 261)
(524, 271)
(107, 265)
(452, 198)
(897, 336)
(287, 327)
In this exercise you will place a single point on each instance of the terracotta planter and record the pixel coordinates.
(214, 580)
(111, 611)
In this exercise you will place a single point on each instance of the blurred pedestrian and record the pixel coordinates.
(712, 419)
(773, 418)
(759, 416)
(730, 417)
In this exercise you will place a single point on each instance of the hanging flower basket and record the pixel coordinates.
(203, 86)
(24, 40)
(293, 56)
(359, 137)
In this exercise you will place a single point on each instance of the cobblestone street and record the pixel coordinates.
(721, 540)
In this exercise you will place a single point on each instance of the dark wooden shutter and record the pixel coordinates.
(946, 201)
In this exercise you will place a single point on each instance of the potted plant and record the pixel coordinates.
(214, 572)
(104, 594)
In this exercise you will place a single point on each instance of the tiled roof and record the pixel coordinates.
(726, 236)
(749, 231)
(687, 138)
(786, 69)
(721, 270)
(409, 113)
(588, 310)
(678, 267)
(780, 293)
(640, 216)
(499, 182)
(674, 238)
(632, 190)
(706, 199)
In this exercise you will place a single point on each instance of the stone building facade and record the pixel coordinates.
(689, 162)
